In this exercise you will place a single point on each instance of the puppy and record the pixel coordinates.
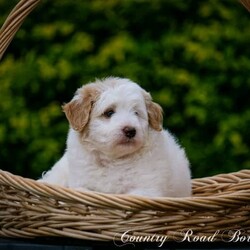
(116, 144)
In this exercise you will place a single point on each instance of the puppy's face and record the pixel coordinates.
(113, 116)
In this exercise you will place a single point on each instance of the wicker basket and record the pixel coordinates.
(219, 206)
(32, 209)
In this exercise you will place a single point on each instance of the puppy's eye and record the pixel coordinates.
(109, 113)
(136, 113)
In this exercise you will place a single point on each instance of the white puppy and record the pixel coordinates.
(116, 144)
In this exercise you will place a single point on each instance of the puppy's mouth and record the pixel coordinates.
(127, 141)
(125, 146)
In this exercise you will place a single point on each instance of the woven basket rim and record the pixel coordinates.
(131, 202)
(31, 209)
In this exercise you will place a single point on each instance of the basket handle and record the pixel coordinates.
(14, 21)
(246, 4)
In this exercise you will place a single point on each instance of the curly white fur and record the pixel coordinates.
(116, 144)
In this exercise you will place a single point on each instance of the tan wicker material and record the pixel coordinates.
(246, 4)
(32, 209)
(14, 21)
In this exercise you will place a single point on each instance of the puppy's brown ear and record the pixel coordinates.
(79, 109)
(155, 116)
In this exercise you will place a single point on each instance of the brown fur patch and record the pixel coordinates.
(154, 110)
(78, 110)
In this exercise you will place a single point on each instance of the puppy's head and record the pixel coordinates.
(113, 116)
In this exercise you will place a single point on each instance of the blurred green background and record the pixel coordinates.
(193, 56)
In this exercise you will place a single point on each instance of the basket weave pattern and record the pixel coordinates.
(32, 209)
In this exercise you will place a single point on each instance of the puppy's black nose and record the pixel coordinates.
(129, 132)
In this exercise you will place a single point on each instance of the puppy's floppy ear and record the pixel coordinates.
(154, 110)
(78, 110)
